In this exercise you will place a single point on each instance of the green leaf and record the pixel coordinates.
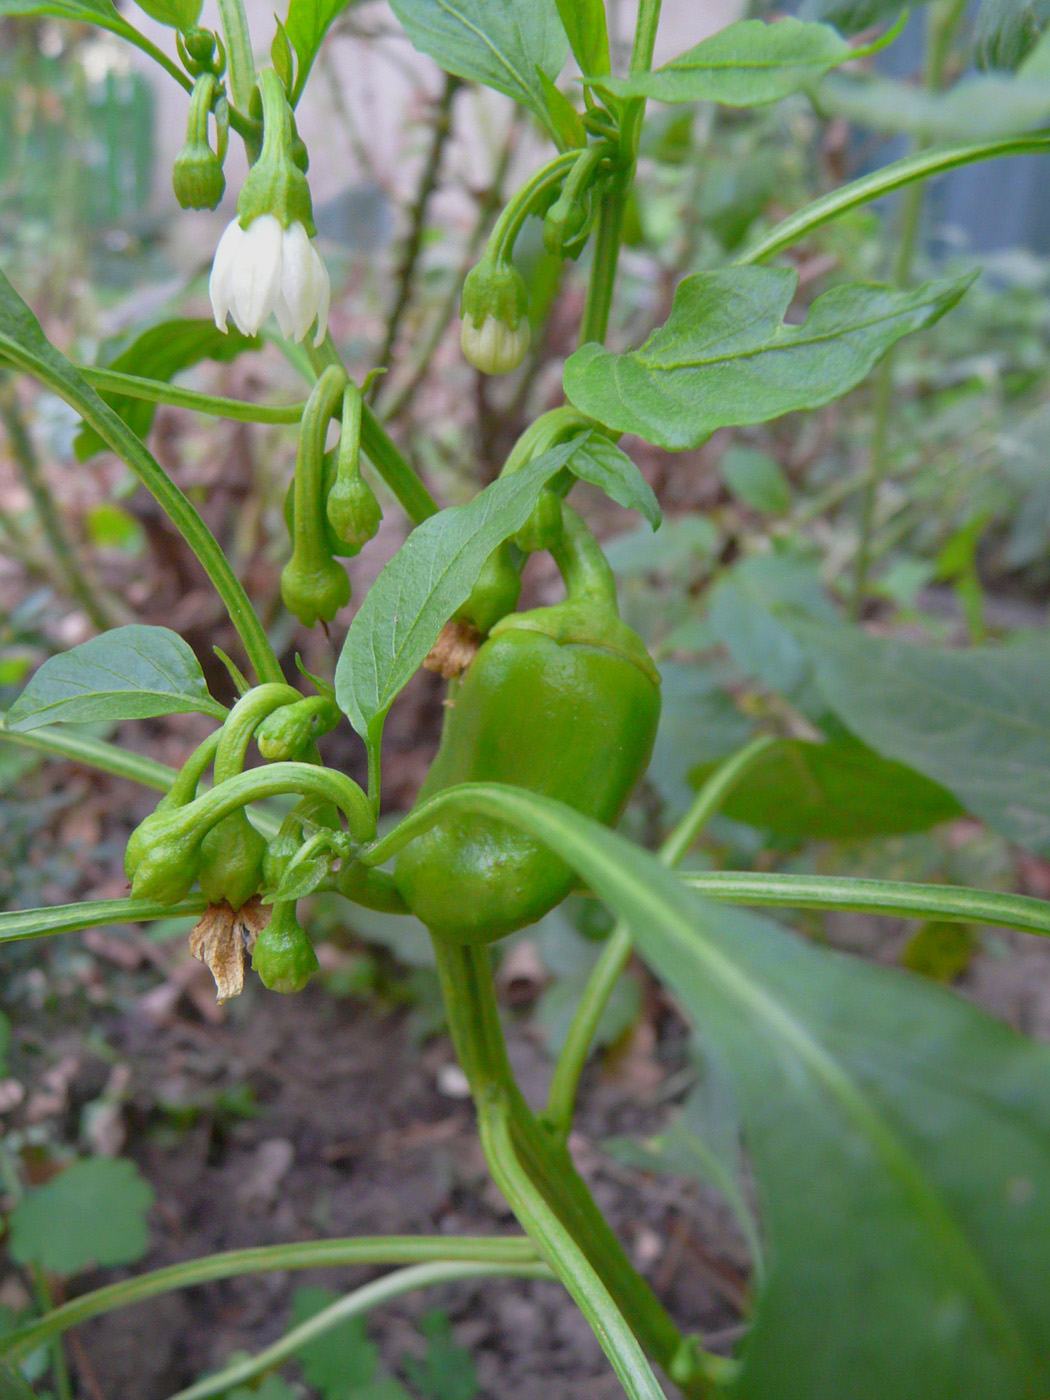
(566, 124)
(745, 615)
(976, 721)
(851, 16)
(744, 65)
(446, 1371)
(703, 1143)
(307, 24)
(341, 1363)
(606, 466)
(178, 14)
(129, 673)
(501, 43)
(159, 353)
(836, 791)
(699, 723)
(756, 480)
(585, 24)
(92, 1214)
(898, 1137)
(1007, 30)
(423, 585)
(980, 108)
(725, 356)
(99, 12)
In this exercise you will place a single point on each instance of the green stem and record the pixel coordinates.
(18, 924)
(941, 23)
(372, 1295)
(470, 1000)
(882, 182)
(78, 587)
(896, 899)
(503, 1121)
(135, 387)
(275, 780)
(528, 199)
(380, 449)
(39, 358)
(59, 1362)
(242, 722)
(147, 46)
(239, 60)
(511, 1251)
(595, 322)
(57, 741)
(617, 950)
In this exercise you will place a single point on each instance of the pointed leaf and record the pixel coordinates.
(899, 1139)
(585, 24)
(307, 23)
(745, 65)
(422, 586)
(607, 466)
(725, 356)
(976, 721)
(178, 14)
(129, 673)
(500, 43)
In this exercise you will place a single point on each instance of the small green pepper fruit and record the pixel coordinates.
(231, 861)
(283, 956)
(495, 331)
(163, 857)
(562, 701)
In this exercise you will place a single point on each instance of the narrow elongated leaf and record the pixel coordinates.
(725, 357)
(745, 65)
(838, 791)
(160, 353)
(584, 22)
(977, 721)
(307, 23)
(899, 1139)
(501, 43)
(607, 466)
(423, 585)
(980, 108)
(129, 673)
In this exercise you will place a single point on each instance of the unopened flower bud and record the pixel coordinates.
(495, 332)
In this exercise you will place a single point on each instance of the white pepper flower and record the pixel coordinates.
(267, 267)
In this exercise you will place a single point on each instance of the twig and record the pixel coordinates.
(441, 129)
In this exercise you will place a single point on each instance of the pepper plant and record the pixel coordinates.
(898, 1138)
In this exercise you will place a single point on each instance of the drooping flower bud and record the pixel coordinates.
(495, 331)
(352, 509)
(197, 176)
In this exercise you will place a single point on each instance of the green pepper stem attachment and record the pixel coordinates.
(197, 176)
(314, 587)
(586, 571)
(184, 788)
(352, 509)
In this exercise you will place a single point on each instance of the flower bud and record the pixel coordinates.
(197, 177)
(495, 331)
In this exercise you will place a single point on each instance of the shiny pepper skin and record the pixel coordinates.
(562, 701)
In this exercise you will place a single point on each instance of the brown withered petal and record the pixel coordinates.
(217, 942)
(454, 649)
